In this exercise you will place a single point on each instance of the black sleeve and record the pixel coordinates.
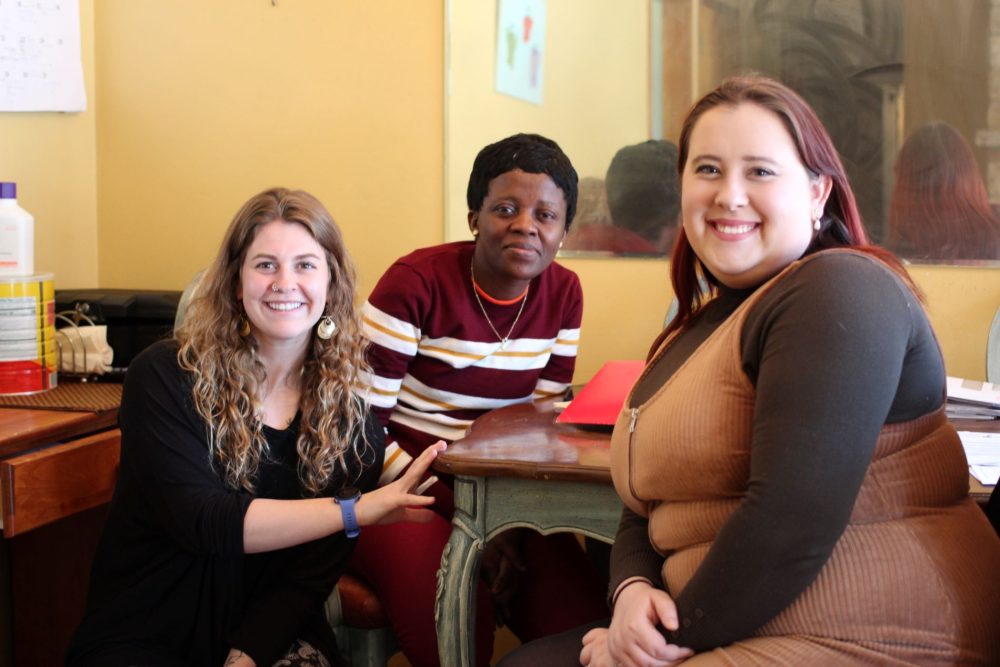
(296, 581)
(164, 448)
(632, 554)
(826, 358)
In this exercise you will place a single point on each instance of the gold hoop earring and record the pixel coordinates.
(244, 326)
(327, 327)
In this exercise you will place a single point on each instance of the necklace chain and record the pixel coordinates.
(475, 291)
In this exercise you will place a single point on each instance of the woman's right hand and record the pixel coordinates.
(397, 501)
(633, 637)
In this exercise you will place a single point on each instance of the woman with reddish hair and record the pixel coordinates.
(939, 208)
(794, 494)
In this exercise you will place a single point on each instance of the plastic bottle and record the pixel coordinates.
(17, 235)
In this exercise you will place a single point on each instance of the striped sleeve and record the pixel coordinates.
(557, 375)
(391, 322)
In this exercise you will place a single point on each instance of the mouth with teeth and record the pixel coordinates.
(733, 228)
(284, 306)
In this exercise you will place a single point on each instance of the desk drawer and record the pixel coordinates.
(54, 482)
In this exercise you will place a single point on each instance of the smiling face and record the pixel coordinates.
(520, 225)
(285, 255)
(747, 201)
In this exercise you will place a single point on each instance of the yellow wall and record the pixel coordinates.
(962, 302)
(626, 301)
(52, 158)
(205, 103)
(624, 304)
(344, 99)
(595, 94)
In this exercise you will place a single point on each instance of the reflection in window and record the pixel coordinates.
(634, 210)
(939, 207)
(876, 71)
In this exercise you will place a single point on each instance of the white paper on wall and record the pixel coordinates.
(40, 65)
(521, 48)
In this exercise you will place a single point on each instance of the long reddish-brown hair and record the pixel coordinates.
(940, 208)
(818, 155)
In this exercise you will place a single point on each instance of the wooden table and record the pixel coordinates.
(517, 467)
(57, 473)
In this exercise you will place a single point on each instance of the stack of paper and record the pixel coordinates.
(983, 452)
(972, 399)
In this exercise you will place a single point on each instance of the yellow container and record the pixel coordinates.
(28, 352)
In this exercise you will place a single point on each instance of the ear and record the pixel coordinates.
(474, 222)
(819, 191)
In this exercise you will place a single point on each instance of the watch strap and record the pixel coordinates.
(351, 527)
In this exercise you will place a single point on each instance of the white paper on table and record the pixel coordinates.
(987, 475)
(983, 452)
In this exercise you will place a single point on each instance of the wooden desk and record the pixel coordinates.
(57, 472)
(517, 467)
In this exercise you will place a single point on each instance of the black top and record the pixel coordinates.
(835, 351)
(170, 583)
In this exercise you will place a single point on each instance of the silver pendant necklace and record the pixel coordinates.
(475, 291)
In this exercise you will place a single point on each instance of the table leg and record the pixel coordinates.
(455, 603)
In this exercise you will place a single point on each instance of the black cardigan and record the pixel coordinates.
(170, 583)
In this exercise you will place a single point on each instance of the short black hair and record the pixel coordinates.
(643, 187)
(531, 153)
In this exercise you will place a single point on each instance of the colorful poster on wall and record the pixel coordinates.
(40, 65)
(521, 48)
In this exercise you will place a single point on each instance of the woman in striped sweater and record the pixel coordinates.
(460, 329)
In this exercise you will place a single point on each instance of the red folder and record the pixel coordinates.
(601, 399)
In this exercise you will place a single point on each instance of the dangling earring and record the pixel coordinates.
(326, 328)
(816, 221)
(475, 234)
(244, 326)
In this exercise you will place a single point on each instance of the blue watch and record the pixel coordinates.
(346, 498)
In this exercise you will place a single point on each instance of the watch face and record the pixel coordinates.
(348, 493)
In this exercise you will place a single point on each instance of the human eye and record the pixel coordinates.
(307, 265)
(504, 210)
(761, 172)
(706, 169)
(265, 265)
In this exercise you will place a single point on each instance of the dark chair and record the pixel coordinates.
(360, 623)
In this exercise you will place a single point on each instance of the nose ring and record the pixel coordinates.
(275, 288)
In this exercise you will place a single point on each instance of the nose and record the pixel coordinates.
(524, 223)
(731, 195)
(283, 281)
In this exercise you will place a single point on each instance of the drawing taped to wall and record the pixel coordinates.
(521, 49)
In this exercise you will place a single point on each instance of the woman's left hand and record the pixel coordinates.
(596, 653)
(398, 501)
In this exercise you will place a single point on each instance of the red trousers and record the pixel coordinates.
(559, 590)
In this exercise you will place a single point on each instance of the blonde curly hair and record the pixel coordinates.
(229, 376)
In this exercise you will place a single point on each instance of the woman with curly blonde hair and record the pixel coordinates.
(245, 452)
